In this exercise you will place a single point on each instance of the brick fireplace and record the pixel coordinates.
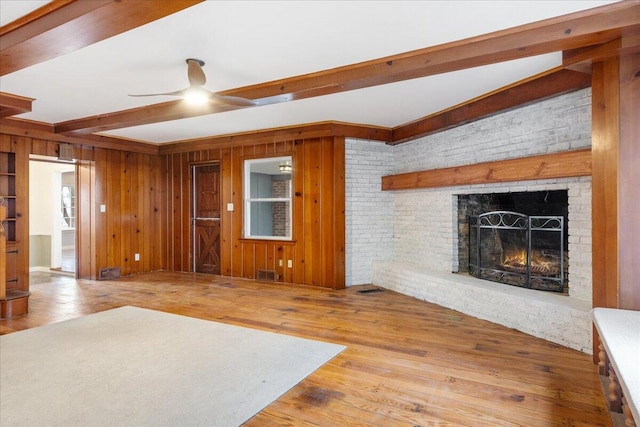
(409, 238)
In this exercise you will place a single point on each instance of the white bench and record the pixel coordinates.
(619, 332)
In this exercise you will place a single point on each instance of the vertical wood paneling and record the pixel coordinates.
(114, 208)
(318, 212)
(339, 223)
(313, 213)
(130, 185)
(226, 217)
(159, 224)
(297, 252)
(236, 222)
(143, 214)
(178, 217)
(101, 229)
(185, 249)
(125, 213)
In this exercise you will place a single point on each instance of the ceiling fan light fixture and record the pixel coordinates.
(196, 96)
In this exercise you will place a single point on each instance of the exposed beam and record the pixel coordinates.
(545, 85)
(165, 111)
(39, 130)
(546, 166)
(573, 31)
(10, 105)
(582, 58)
(64, 26)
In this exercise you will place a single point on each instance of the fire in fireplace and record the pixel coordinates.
(518, 249)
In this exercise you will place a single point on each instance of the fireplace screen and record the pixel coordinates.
(518, 249)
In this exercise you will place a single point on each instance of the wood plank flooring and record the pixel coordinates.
(408, 363)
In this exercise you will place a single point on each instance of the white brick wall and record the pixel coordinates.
(369, 211)
(557, 124)
(424, 220)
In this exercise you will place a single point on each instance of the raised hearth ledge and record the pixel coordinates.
(551, 316)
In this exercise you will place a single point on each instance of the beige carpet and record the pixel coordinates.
(137, 367)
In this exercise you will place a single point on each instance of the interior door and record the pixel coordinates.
(206, 218)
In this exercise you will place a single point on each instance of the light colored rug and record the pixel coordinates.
(137, 367)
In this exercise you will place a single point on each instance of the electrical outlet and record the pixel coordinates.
(290, 263)
(103, 208)
(281, 262)
(136, 257)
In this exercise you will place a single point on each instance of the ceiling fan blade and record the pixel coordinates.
(195, 73)
(232, 100)
(175, 93)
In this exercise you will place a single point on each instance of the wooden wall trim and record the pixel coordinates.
(312, 130)
(546, 166)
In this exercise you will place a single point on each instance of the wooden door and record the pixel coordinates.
(206, 218)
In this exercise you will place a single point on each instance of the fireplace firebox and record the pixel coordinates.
(518, 249)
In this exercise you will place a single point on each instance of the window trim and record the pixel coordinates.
(247, 200)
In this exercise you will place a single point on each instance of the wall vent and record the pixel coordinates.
(268, 275)
(109, 273)
(65, 152)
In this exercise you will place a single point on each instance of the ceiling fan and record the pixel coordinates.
(197, 94)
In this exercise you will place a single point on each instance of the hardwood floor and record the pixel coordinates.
(408, 363)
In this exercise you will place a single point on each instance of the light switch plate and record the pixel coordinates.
(229, 207)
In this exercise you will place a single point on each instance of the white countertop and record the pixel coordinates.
(619, 331)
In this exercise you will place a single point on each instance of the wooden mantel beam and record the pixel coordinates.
(63, 26)
(547, 166)
(11, 105)
(573, 31)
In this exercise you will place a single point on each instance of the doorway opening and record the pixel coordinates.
(52, 216)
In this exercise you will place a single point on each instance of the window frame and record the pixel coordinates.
(247, 199)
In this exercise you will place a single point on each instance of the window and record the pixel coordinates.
(68, 206)
(267, 198)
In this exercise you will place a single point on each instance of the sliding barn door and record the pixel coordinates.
(205, 221)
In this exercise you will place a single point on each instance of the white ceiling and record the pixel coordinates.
(249, 42)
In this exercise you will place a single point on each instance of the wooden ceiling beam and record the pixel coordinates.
(165, 111)
(581, 59)
(63, 26)
(546, 85)
(11, 105)
(573, 31)
(45, 131)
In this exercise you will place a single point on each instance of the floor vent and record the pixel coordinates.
(267, 275)
(109, 273)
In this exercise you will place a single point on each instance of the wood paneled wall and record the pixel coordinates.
(132, 188)
(317, 251)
